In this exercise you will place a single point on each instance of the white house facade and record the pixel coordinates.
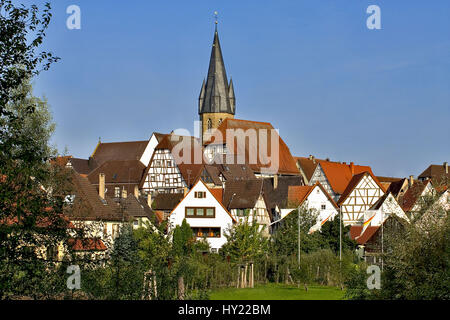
(205, 214)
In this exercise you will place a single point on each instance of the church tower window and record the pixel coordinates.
(209, 124)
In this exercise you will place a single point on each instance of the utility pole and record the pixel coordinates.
(382, 239)
(340, 245)
(340, 233)
(298, 221)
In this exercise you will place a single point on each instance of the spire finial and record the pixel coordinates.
(215, 17)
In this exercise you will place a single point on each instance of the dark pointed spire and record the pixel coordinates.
(231, 96)
(216, 91)
(201, 97)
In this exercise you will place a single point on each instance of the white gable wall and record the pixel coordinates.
(360, 199)
(319, 176)
(149, 149)
(222, 218)
(389, 207)
(316, 199)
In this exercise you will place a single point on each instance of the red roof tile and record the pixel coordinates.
(340, 174)
(355, 231)
(286, 163)
(87, 244)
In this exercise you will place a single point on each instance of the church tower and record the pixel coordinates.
(216, 101)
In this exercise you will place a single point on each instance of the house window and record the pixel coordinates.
(200, 194)
(208, 232)
(242, 212)
(52, 253)
(324, 206)
(200, 212)
(136, 223)
(116, 192)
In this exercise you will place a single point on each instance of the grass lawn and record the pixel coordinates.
(274, 291)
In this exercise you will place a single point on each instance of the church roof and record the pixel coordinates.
(216, 94)
(286, 163)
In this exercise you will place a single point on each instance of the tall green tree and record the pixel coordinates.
(30, 206)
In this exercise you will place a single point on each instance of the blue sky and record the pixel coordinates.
(313, 69)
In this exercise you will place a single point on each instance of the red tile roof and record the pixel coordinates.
(412, 195)
(340, 174)
(118, 171)
(286, 163)
(355, 231)
(217, 193)
(87, 244)
(308, 165)
(128, 150)
(298, 194)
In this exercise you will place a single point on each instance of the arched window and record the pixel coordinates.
(220, 121)
(209, 124)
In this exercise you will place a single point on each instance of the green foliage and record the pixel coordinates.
(22, 32)
(416, 260)
(183, 238)
(123, 276)
(245, 242)
(29, 213)
(356, 284)
(417, 266)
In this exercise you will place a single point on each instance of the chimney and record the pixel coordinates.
(136, 192)
(101, 185)
(124, 193)
(185, 191)
(352, 168)
(149, 199)
(411, 180)
(446, 167)
(275, 181)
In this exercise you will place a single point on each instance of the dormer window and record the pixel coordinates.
(200, 194)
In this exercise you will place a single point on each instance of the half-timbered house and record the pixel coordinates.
(169, 170)
(335, 176)
(361, 193)
(246, 201)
